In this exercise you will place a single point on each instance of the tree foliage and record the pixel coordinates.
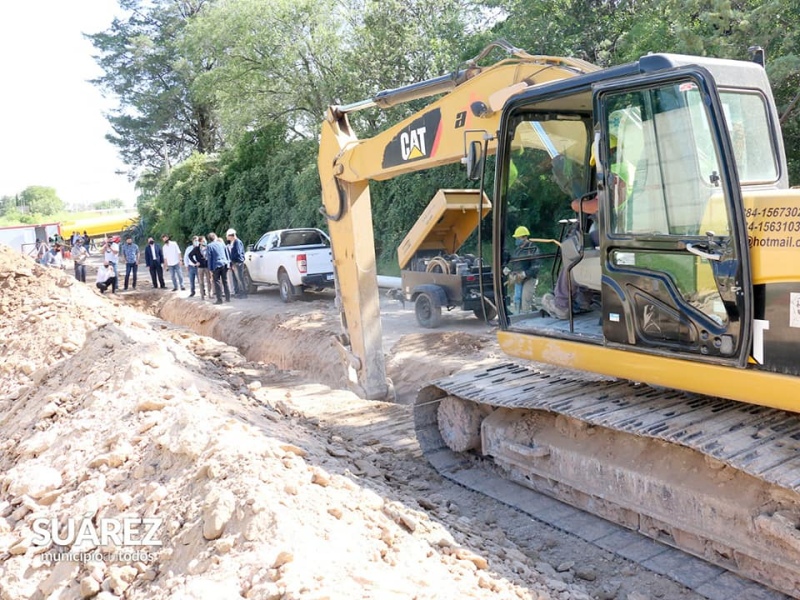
(273, 61)
(159, 118)
(241, 190)
(40, 200)
(586, 29)
(8, 204)
(289, 60)
(228, 94)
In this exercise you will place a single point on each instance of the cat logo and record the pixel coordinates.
(416, 141)
(412, 143)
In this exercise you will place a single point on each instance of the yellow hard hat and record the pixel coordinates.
(612, 143)
(521, 231)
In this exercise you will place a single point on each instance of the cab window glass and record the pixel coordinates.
(263, 243)
(550, 166)
(664, 167)
(748, 125)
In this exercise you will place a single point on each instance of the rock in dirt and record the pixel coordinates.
(89, 587)
(218, 510)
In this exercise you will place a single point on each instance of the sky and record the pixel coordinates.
(52, 129)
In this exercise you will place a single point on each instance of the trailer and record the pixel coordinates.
(432, 274)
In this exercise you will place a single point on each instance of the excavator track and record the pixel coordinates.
(714, 478)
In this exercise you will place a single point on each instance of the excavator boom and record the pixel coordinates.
(435, 136)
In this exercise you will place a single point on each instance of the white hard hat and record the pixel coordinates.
(230, 232)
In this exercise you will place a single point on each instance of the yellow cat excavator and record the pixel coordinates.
(666, 292)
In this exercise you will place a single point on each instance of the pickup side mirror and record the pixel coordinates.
(249, 247)
(474, 160)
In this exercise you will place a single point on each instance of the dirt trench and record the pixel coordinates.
(108, 414)
(300, 337)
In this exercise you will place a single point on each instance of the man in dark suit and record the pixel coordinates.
(154, 258)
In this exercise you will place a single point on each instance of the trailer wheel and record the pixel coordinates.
(491, 313)
(428, 311)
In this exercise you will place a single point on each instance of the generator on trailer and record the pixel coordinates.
(433, 276)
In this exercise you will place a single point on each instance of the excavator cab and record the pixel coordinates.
(664, 264)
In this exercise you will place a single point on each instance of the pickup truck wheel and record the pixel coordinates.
(288, 292)
(252, 288)
(428, 311)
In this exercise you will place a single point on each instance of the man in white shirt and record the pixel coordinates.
(106, 277)
(173, 261)
(111, 252)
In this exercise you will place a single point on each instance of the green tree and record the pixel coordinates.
(263, 73)
(108, 204)
(398, 42)
(179, 213)
(273, 61)
(41, 200)
(159, 120)
(588, 29)
(289, 60)
(8, 204)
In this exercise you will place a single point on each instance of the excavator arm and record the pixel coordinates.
(470, 105)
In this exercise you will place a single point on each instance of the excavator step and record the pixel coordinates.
(712, 477)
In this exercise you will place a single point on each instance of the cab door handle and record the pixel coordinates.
(701, 251)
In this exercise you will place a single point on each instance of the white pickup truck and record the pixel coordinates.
(293, 259)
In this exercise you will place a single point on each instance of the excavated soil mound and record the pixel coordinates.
(111, 416)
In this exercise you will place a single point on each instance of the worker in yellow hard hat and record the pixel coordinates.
(522, 269)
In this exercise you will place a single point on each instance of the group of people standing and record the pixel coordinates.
(207, 260)
(108, 274)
